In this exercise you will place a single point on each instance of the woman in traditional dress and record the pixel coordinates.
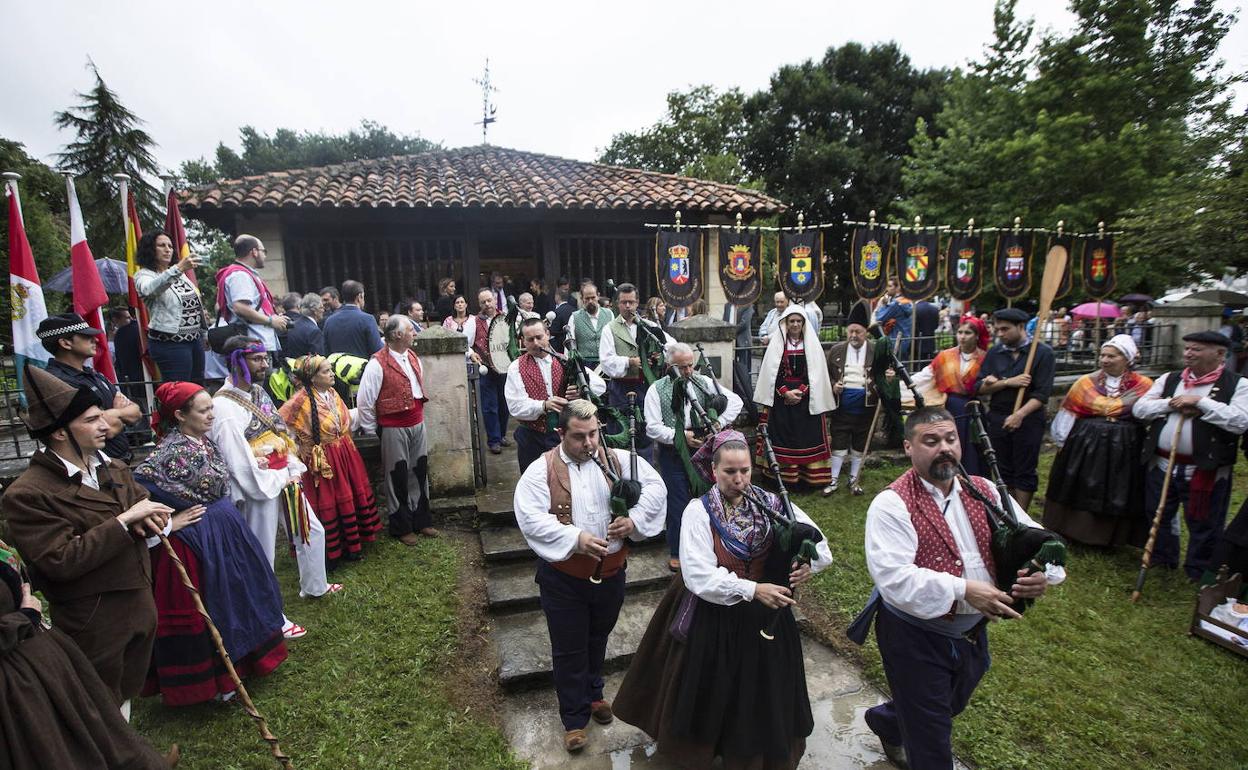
(223, 559)
(794, 387)
(1096, 487)
(949, 380)
(336, 481)
(704, 682)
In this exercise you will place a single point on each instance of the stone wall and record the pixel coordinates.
(446, 413)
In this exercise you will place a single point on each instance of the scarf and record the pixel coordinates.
(745, 532)
(1090, 397)
(1190, 380)
(947, 372)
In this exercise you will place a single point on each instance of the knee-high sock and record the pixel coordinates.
(855, 464)
(838, 459)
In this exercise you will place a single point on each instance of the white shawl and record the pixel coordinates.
(820, 398)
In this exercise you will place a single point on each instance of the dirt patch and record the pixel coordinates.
(470, 674)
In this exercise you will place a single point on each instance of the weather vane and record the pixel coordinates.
(487, 109)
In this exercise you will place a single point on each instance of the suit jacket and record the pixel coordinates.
(745, 316)
(836, 366)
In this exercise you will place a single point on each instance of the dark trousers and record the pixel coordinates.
(617, 396)
(673, 472)
(579, 617)
(494, 407)
(178, 361)
(531, 445)
(931, 677)
(1202, 534)
(1018, 451)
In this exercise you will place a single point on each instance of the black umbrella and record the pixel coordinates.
(1136, 299)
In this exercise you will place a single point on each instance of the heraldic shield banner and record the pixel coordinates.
(1013, 271)
(869, 249)
(1098, 266)
(918, 262)
(740, 265)
(678, 266)
(1067, 242)
(964, 265)
(800, 264)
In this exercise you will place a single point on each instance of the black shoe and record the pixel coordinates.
(896, 754)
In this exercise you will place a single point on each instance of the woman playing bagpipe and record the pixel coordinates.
(704, 682)
(946, 558)
(1096, 488)
(949, 380)
(335, 481)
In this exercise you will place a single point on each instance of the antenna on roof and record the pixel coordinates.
(487, 109)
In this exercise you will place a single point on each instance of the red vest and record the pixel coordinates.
(481, 342)
(396, 407)
(937, 549)
(535, 386)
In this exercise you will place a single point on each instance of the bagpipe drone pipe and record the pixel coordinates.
(614, 423)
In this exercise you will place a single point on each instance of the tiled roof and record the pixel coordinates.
(477, 177)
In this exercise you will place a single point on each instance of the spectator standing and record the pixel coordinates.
(565, 306)
(771, 322)
(244, 298)
(332, 302)
(445, 304)
(305, 336)
(175, 313)
(351, 330)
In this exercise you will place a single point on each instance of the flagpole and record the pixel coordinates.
(123, 191)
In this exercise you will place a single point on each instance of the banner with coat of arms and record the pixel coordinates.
(799, 265)
(678, 266)
(740, 265)
(1098, 266)
(869, 250)
(1068, 242)
(1013, 269)
(918, 262)
(964, 265)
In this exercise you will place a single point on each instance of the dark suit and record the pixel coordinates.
(559, 326)
(742, 317)
(926, 318)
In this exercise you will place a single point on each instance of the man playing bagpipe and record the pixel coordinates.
(539, 386)
(930, 550)
(849, 424)
(576, 506)
(681, 411)
(719, 671)
(630, 352)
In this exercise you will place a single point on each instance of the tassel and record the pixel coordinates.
(320, 465)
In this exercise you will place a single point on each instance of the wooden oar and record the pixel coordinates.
(1054, 267)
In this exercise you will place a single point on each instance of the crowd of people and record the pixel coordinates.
(273, 445)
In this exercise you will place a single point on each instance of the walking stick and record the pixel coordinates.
(1161, 508)
(1054, 268)
(243, 697)
(866, 449)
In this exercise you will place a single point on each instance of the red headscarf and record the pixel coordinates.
(171, 397)
(981, 329)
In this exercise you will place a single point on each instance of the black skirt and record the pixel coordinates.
(1096, 487)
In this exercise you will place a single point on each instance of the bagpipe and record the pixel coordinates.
(896, 364)
(575, 367)
(798, 540)
(1015, 546)
(649, 350)
(624, 492)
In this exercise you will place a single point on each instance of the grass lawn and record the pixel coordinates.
(1085, 679)
(378, 682)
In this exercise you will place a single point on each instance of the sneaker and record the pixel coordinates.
(505, 442)
(496, 449)
(574, 740)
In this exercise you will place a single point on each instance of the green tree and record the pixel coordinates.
(108, 140)
(44, 217)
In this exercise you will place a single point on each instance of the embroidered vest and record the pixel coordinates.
(1212, 447)
(535, 386)
(665, 384)
(558, 481)
(481, 342)
(625, 345)
(395, 396)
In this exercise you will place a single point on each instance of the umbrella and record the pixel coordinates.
(112, 273)
(1222, 297)
(1096, 310)
(1136, 299)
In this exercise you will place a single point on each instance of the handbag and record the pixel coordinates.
(219, 335)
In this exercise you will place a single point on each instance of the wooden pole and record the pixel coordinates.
(1147, 561)
(1054, 267)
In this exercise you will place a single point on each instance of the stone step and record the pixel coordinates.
(510, 585)
(522, 642)
(506, 544)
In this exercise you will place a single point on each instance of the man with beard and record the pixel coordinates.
(928, 551)
(493, 401)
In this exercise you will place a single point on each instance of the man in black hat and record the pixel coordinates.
(849, 371)
(72, 343)
(1214, 399)
(1016, 435)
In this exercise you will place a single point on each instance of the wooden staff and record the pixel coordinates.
(243, 697)
(1054, 268)
(866, 447)
(1161, 508)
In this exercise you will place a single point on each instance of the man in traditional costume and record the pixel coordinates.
(586, 327)
(793, 386)
(1215, 401)
(577, 506)
(849, 425)
(949, 381)
(391, 403)
(1016, 435)
(928, 548)
(620, 351)
(539, 386)
(493, 384)
(704, 682)
(1096, 487)
(81, 520)
(681, 413)
(265, 468)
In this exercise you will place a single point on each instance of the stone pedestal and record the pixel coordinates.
(1176, 319)
(446, 413)
(717, 339)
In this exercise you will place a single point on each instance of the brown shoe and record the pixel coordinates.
(601, 711)
(429, 532)
(409, 539)
(575, 740)
(173, 756)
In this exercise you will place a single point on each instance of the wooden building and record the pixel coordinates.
(399, 224)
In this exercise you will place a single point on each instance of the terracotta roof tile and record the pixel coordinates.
(477, 177)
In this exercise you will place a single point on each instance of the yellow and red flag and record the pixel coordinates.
(130, 223)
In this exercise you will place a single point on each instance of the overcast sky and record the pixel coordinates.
(569, 74)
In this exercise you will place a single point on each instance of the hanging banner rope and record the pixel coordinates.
(918, 263)
(1013, 263)
(799, 265)
(1098, 265)
(964, 264)
(678, 266)
(869, 250)
(741, 265)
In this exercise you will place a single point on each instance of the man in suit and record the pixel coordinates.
(741, 318)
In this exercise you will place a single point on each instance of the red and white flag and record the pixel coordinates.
(89, 294)
(25, 290)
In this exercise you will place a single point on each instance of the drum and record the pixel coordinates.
(498, 356)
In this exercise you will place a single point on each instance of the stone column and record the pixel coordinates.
(1176, 319)
(446, 413)
(717, 339)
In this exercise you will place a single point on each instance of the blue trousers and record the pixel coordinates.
(530, 444)
(931, 677)
(494, 407)
(579, 617)
(1202, 534)
(178, 361)
(673, 473)
(1018, 451)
